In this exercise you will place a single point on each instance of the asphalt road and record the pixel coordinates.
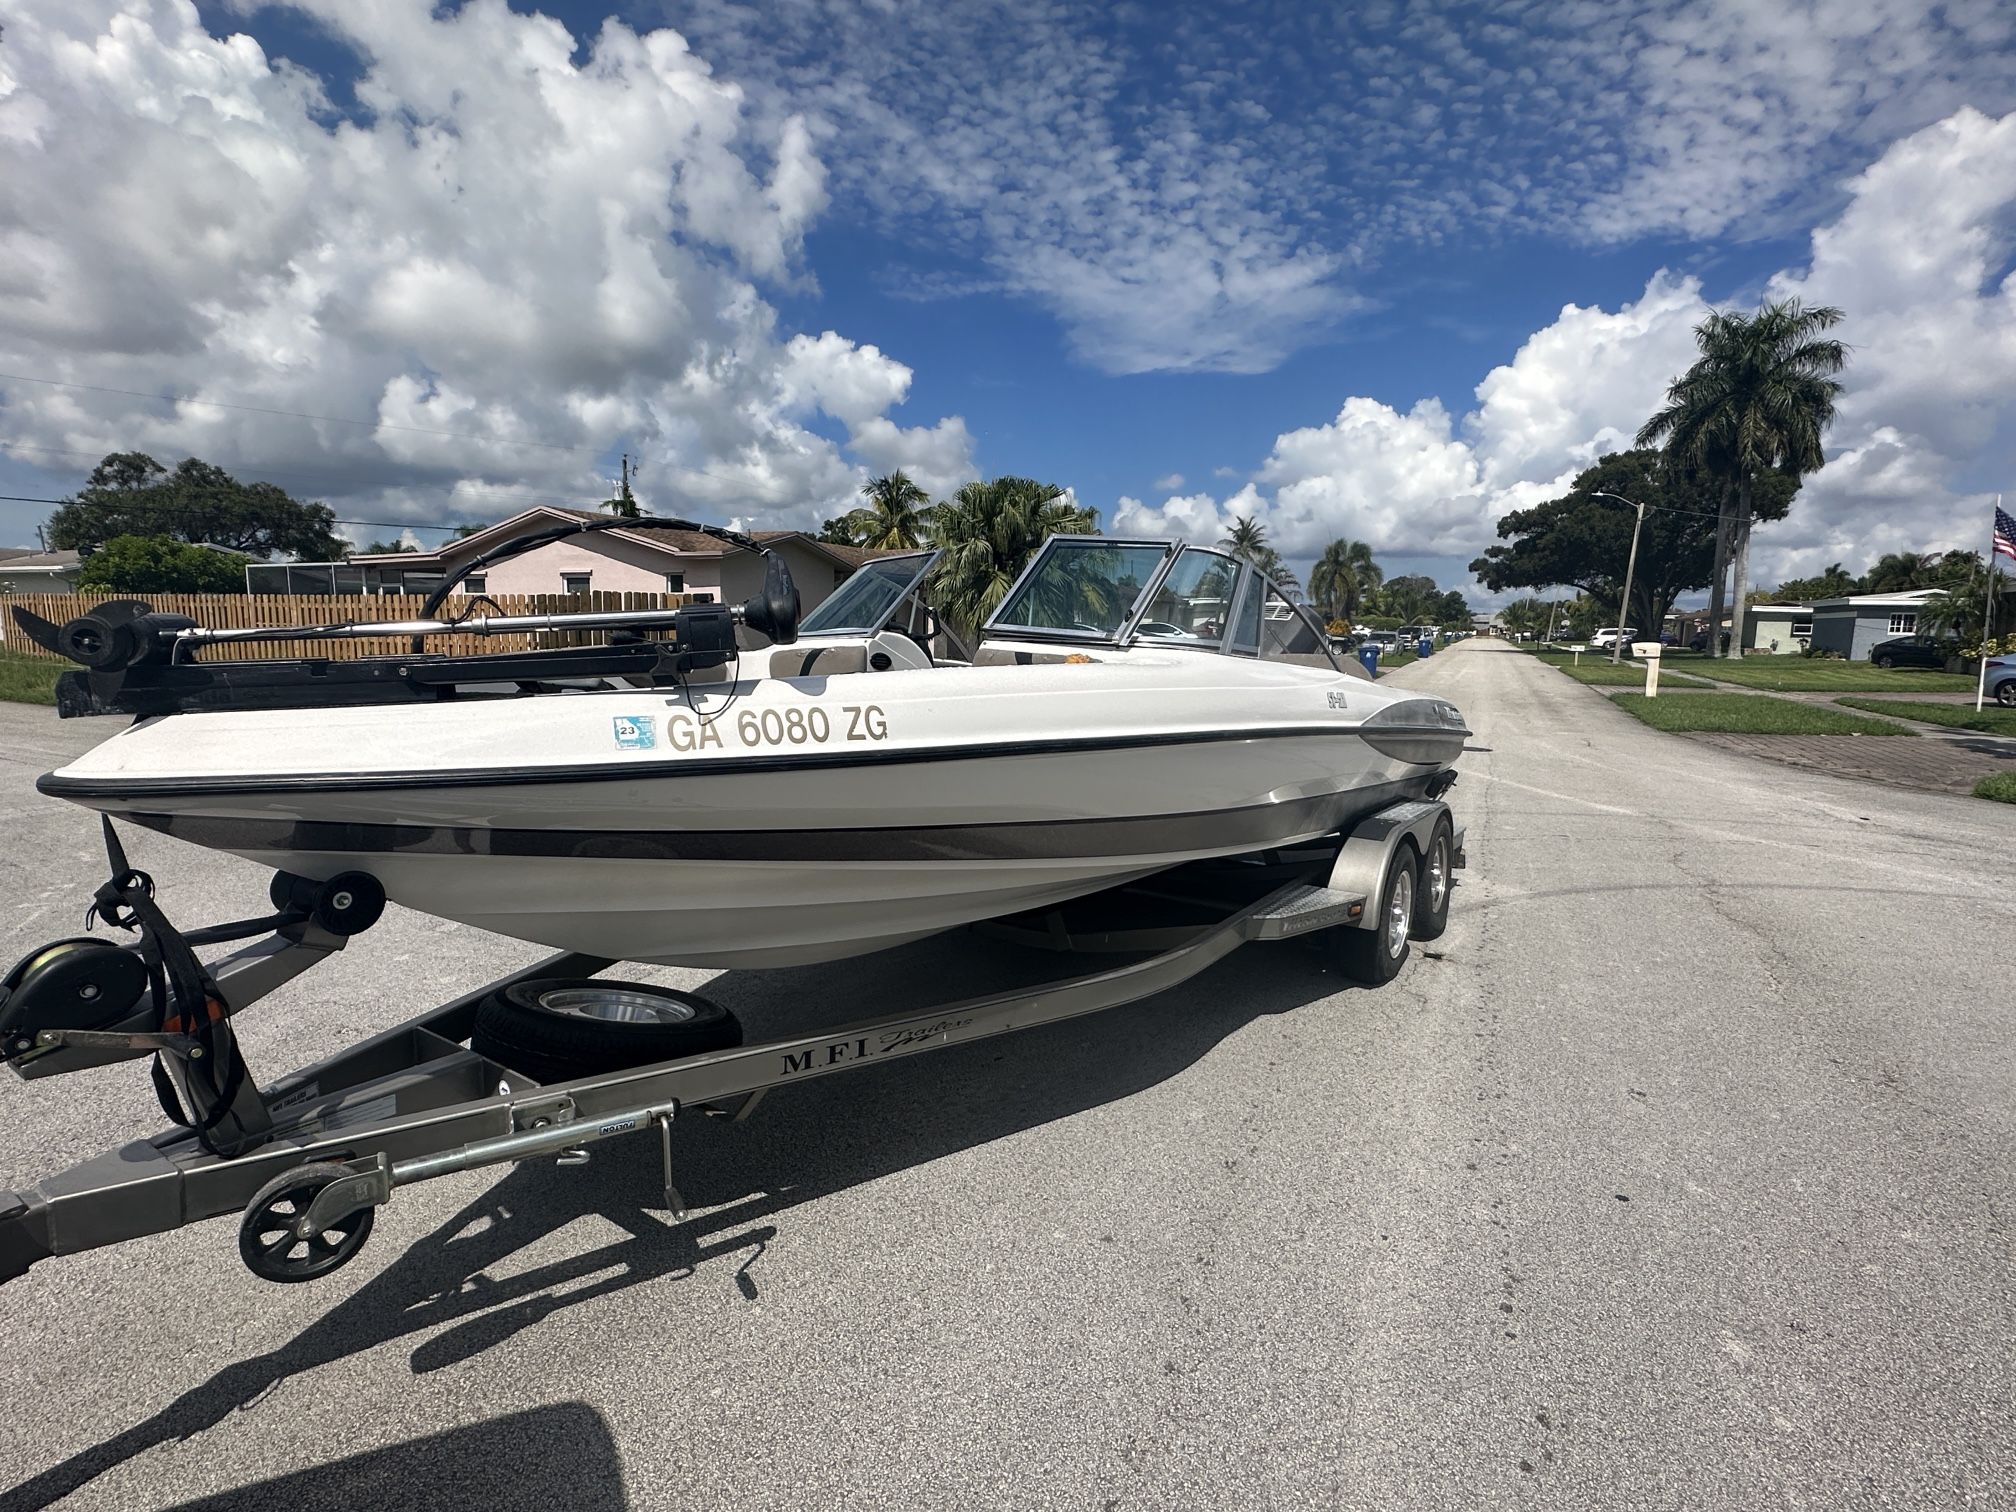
(1679, 1176)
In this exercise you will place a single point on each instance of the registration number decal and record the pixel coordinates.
(775, 729)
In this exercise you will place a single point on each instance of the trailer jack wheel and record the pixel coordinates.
(270, 1240)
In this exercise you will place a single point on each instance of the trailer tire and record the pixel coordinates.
(1435, 883)
(1375, 955)
(560, 1028)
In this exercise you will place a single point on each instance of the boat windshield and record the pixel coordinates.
(1192, 600)
(863, 604)
(1081, 586)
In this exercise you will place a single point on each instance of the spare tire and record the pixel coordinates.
(561, 1028)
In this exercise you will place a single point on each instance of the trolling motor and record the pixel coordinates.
(138, 661)
(89, 1001)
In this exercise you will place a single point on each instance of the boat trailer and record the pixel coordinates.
(308, 1160)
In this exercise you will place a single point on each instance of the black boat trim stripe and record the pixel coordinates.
(1253, 827)
(89, 789)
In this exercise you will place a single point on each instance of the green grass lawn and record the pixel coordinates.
(1747, 714)
(1595, 670)
(1388, 660)
(1991, 720)
(1797, 674)
(2001, 787)
(25, 679)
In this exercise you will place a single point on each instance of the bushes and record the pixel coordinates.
(156, 564)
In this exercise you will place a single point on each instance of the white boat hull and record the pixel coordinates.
(520, 816)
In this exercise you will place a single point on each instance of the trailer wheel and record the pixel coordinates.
(268, 1244)
(1375, 955)
(1437, 881)
(559, 1028)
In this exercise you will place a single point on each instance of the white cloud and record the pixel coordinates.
(1923, 433)
(1169, 483)
(1194, 187)
(938, 457)
(548, 247)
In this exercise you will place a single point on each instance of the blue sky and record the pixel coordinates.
(1382, 271)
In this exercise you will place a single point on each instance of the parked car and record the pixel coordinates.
(1699, 642)
(1603, 640)
(1910, 651)
(2001, 680)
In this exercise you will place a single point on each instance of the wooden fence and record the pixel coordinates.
(240, 611)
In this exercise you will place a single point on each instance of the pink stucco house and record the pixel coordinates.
(609, 561)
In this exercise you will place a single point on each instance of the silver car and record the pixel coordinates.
(2000, 682)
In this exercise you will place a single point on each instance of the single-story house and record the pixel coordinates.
(608, 561)
(23, 571)
(1784, 629)
(1852, 625)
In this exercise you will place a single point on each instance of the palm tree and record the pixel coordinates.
(988, 531)
(1247, 540)
(1342, 578)
(896, 516)
(1527, 616)
(1898, 571)
(1758, 400)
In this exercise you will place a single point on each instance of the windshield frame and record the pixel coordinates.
(993, 628)
(1250, 579)
(928, 557)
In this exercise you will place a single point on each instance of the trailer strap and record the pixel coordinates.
(186, 999)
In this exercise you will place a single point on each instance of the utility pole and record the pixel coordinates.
(625, 502)
(1630, 570)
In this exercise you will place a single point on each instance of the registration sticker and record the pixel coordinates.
(635, 732)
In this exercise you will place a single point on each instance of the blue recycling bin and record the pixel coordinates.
(1427, 647)
(1368, 658)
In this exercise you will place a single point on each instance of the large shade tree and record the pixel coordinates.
(897, 516)
(988, 532)
(1583, 539)
(1757, 402)
(1342, 579)
(131, 494)
(1414, 599)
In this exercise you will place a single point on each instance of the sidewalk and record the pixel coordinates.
(1931, 765)
(1944, 760)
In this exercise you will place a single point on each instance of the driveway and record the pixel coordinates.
(1679, 1176)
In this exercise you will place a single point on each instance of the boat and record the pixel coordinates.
(720, 787)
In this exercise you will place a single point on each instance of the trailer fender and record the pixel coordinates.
(1368, 851)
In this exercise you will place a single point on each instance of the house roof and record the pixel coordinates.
(671, 543)
(8, 553)
(39, 561)
(1780, 608)
(1906, 600)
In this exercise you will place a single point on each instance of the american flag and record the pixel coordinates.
(2005, 533)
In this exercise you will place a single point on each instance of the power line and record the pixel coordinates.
(258, 409)
(172, 504)
(462, 491)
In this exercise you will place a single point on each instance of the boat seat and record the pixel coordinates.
(817, 661)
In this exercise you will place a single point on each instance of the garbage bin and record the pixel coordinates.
(1368, 658)
(1427, 647)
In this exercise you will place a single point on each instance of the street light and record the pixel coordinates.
(1630, 568)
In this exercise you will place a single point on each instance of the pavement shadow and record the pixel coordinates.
(558, 1456)
(806, 1142)
(2002, 748)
